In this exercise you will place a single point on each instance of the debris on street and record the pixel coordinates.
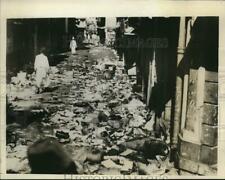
(90, 108)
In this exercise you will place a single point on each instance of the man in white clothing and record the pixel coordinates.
(73, 46)
(41, 67)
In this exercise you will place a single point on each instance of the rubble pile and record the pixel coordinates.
(101, 122)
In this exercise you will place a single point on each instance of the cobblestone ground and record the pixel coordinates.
(94, 115)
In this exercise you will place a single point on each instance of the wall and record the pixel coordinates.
(197, 147)
(26, 36)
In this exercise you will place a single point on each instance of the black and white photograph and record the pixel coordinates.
(119, 95)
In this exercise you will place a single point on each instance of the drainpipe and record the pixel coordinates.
(186, 77)
(185, 81)
(35, 39)
(66, 25)
(65, 36)
(179, 84)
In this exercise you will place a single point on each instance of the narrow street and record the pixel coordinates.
(112, 96)
(103, 125)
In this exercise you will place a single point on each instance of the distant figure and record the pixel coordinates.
(95, 39)
(85, 34)
(73, 45)
(41, 67)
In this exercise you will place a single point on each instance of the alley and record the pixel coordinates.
(112, 96)
(104, 126)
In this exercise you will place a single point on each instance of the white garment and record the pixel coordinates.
(73, 50)
(111, 22)
(41, 65)
(73, 46)
(82, 24)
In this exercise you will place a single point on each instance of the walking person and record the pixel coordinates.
(73, 46)
(41, 67)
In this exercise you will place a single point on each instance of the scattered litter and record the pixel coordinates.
(110, 164)
(62, 135)
(127, 152)
(88, 106)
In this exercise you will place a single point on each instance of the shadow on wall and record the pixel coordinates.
(202, 50)
(167, 31)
